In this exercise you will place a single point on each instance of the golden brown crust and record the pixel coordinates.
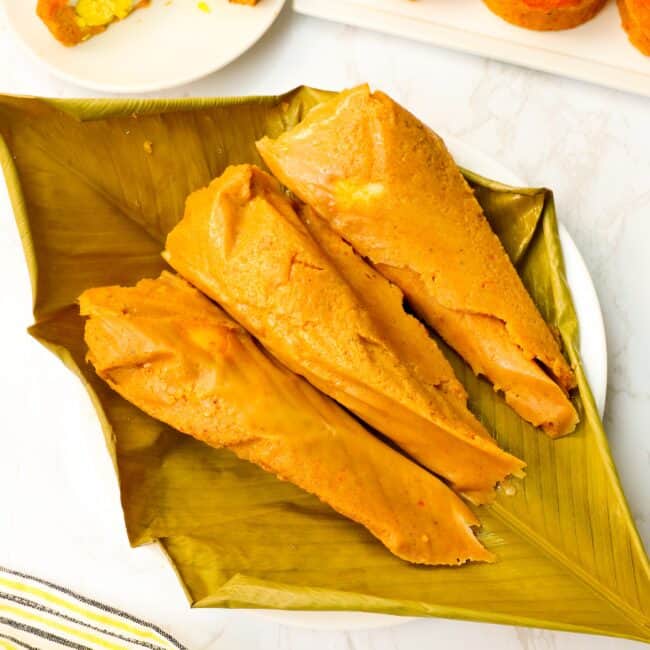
(60, 18)
(328, 316)
(635, 19)
(170, 351)
(387, 184)
(546, 15)
(481, 339)
(385, 302)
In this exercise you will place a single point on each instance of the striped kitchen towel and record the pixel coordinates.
(39, 615)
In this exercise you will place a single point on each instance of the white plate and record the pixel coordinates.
(593, 349)
(597, 51)
(167, 44)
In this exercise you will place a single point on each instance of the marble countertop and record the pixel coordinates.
(61, 518)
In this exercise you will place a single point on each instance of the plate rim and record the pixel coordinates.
(135, 88)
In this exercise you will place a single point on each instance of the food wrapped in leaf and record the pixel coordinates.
(330, 317)
(387, 184)
(167, 349)
(569, 555)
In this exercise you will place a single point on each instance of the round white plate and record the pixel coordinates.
(593, 349)
(171, 42)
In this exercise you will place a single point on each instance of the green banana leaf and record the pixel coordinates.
(93, 207)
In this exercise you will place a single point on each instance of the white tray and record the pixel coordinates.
(597, 51)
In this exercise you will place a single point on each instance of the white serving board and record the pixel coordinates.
(597, 51)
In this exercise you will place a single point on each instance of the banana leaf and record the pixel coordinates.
(97, 184)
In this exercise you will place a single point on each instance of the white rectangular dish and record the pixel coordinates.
(597, 51)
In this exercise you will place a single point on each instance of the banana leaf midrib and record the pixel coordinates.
(90, 109)
(17, 198)
(597, 586)
(399, 609)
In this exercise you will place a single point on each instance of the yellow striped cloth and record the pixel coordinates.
(38, 615)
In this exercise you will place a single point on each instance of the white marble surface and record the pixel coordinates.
(60, 518)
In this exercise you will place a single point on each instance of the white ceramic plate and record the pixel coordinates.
(597, 51)
(170, 43)
(593, 349)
